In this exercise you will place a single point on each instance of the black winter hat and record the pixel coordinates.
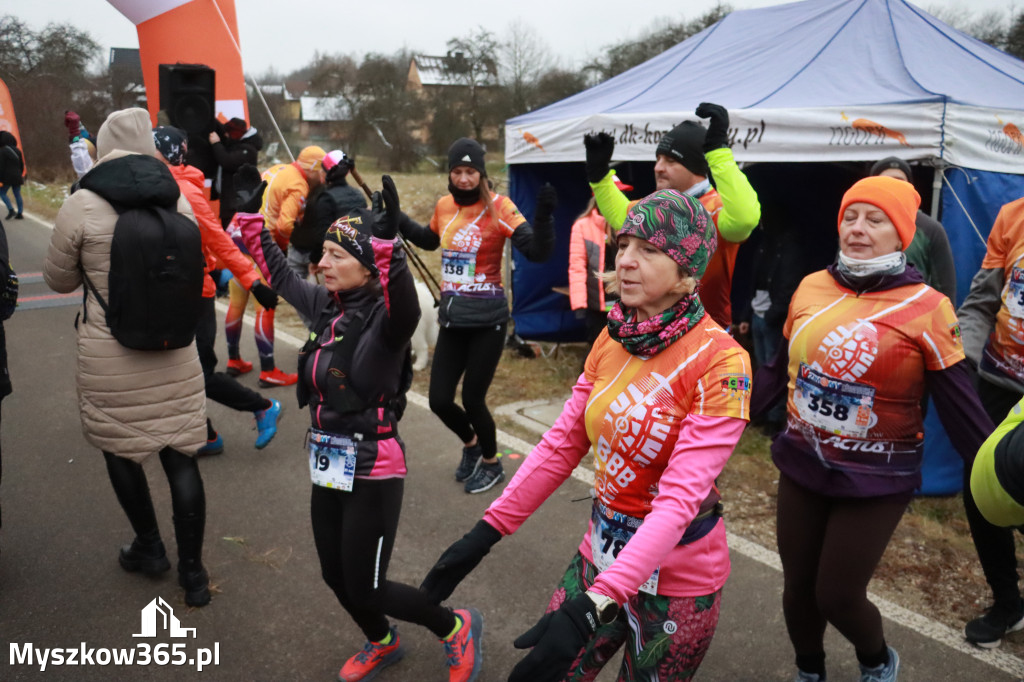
(892, 162)
(354, 232)
(466, 152)
(685, 144)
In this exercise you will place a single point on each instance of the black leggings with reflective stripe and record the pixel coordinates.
(354, 534)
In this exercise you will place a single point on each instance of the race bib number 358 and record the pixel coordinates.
(837, 406)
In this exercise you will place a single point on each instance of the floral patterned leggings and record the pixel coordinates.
(665, 637)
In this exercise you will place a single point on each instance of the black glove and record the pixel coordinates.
(600, 147)
(249, 189)
(547, 201)
(386, 210)
(458, 560)
(266, 296)
(556, 640)
(718, 128)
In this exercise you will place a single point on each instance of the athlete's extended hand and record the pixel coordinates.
(547, 202)
(556, 640)
(265, 296)
(600, 147)
(458, 561)
(386, 210)
(718, 127)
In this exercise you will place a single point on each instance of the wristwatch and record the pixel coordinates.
(605, 607)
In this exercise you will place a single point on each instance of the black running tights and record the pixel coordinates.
(221, 387)
(471, 354)
(829, 548)
(354, 534)
(188, 498)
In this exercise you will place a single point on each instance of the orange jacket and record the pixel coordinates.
(218, 248)
(586, 256)
(284, 202)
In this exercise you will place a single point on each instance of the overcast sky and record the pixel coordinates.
(286, 34)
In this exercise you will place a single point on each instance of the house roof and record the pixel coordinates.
(438, 70)
(324, 109)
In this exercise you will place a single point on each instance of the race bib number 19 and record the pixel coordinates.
(332, 460)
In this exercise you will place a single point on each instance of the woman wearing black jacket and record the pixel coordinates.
(237, 145)
(353, 374)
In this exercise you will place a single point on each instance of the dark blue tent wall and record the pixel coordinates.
(540, 313)
(982, 194)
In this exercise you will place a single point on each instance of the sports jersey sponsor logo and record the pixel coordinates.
(852, 445)
(849, 352)
(954, 332)
(484, 287)
(733, 383)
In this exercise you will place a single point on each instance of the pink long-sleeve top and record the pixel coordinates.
(661, 430)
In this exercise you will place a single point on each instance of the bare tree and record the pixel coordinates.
(1015, 37)
(524, 58)
(47, 72)
(660, 37)
(472, 64)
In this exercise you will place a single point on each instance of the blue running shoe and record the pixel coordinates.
(212, 447)
(266, 424)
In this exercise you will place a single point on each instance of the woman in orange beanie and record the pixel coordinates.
(863, 339)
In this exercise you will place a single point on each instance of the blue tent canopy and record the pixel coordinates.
(836, 82)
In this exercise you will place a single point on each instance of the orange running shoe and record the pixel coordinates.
(372, 659)
(464, 650)
(238, 366)
(276, 377)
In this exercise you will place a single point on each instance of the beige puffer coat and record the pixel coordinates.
(133, 403)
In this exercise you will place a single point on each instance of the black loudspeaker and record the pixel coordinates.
(188, 95)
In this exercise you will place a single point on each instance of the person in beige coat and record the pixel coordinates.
(133, 403)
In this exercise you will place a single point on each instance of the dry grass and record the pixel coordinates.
(930, 565)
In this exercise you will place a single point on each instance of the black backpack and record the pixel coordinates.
(156, 279)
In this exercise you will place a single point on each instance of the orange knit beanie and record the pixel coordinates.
(898, 199)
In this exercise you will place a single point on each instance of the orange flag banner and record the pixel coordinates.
(8, 121)
(190, 32)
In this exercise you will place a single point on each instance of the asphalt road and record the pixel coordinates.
(272, 618)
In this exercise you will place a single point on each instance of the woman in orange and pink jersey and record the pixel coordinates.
(661, 404)
(864, 338)
(471, 225)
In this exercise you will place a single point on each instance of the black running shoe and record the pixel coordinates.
(470, 461)
(988, 630)
(485, 478)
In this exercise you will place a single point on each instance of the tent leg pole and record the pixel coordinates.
(936, 191)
